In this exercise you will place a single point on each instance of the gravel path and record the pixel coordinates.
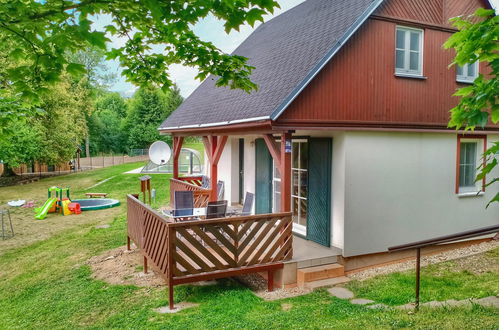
(426, 260)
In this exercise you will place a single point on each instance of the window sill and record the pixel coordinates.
(470, 194)
(408, 75)
(462, 81)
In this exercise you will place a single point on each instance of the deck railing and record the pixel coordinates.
(191, 251)
(190, 183)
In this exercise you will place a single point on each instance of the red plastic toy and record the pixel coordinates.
(74, 208)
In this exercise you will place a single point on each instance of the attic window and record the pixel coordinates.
(467, 73)
(409, 51)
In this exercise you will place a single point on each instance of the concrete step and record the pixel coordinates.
(317, 273)
(327, 282)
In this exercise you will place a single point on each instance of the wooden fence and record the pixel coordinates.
(190, 183)
(191, 251)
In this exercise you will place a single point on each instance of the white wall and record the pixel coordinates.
(400, 187)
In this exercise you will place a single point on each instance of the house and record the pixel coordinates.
(348, 129)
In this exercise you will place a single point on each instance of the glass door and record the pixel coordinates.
(299, 183)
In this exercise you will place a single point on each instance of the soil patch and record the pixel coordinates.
(120, 266)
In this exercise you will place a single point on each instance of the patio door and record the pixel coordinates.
(263, 175)
(319, 191)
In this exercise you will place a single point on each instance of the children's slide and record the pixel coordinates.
(41, 212)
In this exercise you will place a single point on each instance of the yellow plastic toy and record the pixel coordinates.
(65, 207)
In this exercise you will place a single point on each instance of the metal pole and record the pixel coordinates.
(418, 275)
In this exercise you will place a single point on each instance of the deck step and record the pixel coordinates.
(317, 273)
(327, 282)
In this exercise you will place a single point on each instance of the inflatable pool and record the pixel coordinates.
(96, 203)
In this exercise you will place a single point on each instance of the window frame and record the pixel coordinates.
(407, 72)
(481, 142)
(466, 78)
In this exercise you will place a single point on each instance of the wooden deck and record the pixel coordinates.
(191, 251)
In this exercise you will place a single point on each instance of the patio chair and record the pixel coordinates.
(183, 203)
(220, 190)
(247, 206)
(248, 203)
(216, 209)
(205, 182)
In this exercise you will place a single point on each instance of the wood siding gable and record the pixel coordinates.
(358, 87)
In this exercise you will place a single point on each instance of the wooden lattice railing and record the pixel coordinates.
(201, 195)
(191, 251)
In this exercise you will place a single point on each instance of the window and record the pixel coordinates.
(469, 156)
(467, 73)
(409, 51)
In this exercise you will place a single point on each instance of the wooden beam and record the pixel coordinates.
(285, 170)
(207, 147)
(222, 140)
(273, 149)
(177, 147)
(213, 169)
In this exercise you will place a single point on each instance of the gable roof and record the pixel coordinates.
(287, 51)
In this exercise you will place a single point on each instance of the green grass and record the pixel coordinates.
(48, 285)
(439, 282)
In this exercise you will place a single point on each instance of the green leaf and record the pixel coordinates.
(76, 69)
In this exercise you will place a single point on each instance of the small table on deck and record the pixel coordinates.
(196, 213)
(96, 195)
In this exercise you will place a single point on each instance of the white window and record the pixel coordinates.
(467, 73)
(469, 161)
(409, 51)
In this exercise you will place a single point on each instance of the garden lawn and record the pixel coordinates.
(48, 284)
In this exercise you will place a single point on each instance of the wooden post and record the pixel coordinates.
(214, 146)
(171, 265)
(145, 265)
(128, 243)
(418, 275)
(177, 147)
(270, 280)
(285, 171)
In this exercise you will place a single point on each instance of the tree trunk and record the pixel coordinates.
(7, 171)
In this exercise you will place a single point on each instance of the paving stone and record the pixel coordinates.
(491, 301)
(407, 306)
(377, 306)
(433, 304)
(458, 303)
(102, 226)
(178, 307)
(341, 293)
(360, 301)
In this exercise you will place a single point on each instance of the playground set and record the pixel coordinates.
(57, 204)
(59, 201)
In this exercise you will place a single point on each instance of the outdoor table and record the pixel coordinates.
(196, 213)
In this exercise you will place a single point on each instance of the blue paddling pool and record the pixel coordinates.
(96, 203)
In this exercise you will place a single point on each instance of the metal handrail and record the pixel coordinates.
(436, 241)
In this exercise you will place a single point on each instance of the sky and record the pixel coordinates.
(209, 29)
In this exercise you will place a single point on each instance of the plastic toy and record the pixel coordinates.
(74, 208)
(59, 203)
(41, 212)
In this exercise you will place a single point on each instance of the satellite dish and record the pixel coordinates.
(160, 153)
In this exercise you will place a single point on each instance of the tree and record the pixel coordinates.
(478, 106)
(158, 33)
(106, 123)
(148, 108)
